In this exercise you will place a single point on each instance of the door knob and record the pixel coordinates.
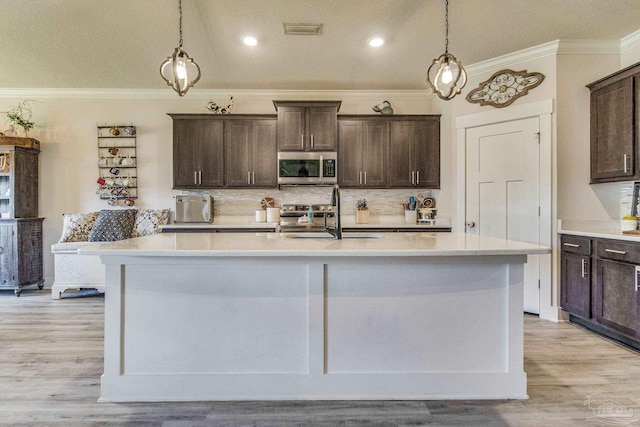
(471, 224)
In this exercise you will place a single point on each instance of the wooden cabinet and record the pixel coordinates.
(616, 286)
(615, 126)
(575, 276)
(307, 126)
(250, 153)
(18, 181)
(198, 153)
(219, 151)
(362, 153)
(20, 254)
(414, 152)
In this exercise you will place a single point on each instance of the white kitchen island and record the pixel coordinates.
(218, 316)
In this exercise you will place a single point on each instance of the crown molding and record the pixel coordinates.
(98, 93)
(630, 42)
(556, 47)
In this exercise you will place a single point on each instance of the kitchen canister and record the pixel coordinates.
(629, 223)
(261, 215)
(410, 217)
(273, 215)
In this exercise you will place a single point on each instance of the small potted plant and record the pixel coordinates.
(362, 213)
(20, 115)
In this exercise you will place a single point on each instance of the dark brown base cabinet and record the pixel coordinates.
(20, 254)
(604, 298)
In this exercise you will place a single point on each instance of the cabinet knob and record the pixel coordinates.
(471, 224)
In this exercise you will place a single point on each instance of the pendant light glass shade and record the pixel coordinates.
(179, 70)
(446, 76)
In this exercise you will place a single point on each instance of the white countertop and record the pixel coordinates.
(349, 221)
(279, 245)
(598, 229)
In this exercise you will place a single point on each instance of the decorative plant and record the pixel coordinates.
(361, 205)
(20, 115)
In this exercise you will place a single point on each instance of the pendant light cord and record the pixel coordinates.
(180, 13)
(446, 26)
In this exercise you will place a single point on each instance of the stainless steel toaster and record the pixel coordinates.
(193, 208)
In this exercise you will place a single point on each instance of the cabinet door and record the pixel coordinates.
(616, 297)
(185, 154)
(264, 155)
(238, 153)
(7, 256)
(427, 154)
(211, 153)
(575, 283)
(612, 124)
(25, 184)
(291, 128)
(349, 153)
(322, 129)
(374, 154)
(401, 137)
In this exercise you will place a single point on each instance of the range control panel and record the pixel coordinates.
(301, 209)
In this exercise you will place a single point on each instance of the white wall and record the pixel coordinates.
(66, 128)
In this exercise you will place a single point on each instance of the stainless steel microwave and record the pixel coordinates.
(311, 167)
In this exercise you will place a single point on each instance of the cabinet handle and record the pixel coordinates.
(200, 177)
(413, 177)
(417, 177)
(637, 271)
(365, 177)
(360, 177)
(253, 177)
(613, 251)
(584, 269)
(249, 177)
(312, 141)
(571, 245)
(624, 159)
(302, 140)
(195, 177)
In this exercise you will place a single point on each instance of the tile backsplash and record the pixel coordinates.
(380, 202)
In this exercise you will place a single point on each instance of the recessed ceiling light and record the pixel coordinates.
(376, 42)
(249, 41)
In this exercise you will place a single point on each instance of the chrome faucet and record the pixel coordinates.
(336, 231)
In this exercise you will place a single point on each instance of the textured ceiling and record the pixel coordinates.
(121, 43)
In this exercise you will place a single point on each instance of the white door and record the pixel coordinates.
(503, 190)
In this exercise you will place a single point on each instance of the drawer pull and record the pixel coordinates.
(571, 245)
(584, 271)
(613, 251)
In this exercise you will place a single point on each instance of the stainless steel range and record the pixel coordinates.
(294, 217)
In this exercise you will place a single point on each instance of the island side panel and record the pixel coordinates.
(220, 328)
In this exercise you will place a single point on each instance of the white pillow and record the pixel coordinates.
(76, 227)
(148, 221)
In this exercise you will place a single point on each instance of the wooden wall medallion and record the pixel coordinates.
(504, 87)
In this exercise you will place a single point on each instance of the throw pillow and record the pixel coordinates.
(112, 225)
(76, 227)
(148, 221)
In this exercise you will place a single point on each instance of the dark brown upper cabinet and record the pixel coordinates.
(363, 153)
(308, 125)
(414, 152)
(615, 127)
(218, 151)
(250, 153)
(198, 153)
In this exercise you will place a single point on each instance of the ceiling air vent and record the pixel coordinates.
(302, 29)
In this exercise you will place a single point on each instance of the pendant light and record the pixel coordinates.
(179, 70)
(445, 75)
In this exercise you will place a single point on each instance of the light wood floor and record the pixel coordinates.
(51, 361)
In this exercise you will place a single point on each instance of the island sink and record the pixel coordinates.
(330, 236)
